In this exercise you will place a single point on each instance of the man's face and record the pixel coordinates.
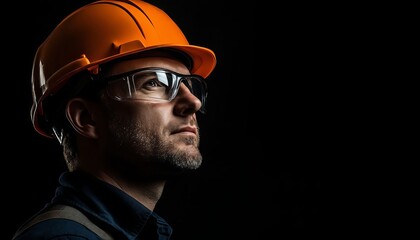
(151, 138)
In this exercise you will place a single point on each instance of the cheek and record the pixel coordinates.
(148, 114)
(156, 114)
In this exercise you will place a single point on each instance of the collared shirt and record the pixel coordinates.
(108, 207)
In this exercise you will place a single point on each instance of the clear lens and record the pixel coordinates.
(154, 84)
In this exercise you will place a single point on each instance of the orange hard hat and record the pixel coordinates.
(100, 32)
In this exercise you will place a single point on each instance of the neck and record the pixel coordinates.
(147, 192)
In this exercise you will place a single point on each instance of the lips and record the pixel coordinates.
(186, 130)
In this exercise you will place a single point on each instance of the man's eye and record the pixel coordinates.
(151, 83)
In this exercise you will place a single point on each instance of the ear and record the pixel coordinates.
(80, 114)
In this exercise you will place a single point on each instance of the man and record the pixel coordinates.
(119, 86)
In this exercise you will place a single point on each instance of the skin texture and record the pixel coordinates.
(135, 144)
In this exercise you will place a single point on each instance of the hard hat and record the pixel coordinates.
(100, 32)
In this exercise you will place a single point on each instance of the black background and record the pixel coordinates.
(263, 138)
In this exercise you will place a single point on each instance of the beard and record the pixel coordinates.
(143, 151)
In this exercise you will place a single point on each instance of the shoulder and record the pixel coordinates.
(58, 229)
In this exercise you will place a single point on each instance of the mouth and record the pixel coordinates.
(186, 130)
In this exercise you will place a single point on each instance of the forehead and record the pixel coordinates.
(145, 62)
(175, 61)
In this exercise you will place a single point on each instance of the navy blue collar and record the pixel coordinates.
(108, 206)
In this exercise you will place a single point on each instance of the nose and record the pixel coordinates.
(186, 102)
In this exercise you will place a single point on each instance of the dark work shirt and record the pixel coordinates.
(108, 207)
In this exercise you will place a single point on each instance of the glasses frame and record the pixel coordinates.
(179, 78)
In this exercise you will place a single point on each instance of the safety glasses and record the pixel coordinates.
(154, 84)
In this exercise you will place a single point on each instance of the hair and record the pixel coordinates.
(70, 150)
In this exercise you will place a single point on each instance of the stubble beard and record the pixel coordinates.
(151, 153)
